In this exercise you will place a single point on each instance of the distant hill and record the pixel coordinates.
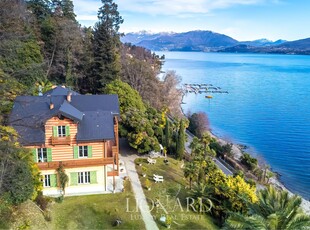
(262, 42)
(295, 47)
(189, 41)
(135, 38)
(208, 41)
(302, 44)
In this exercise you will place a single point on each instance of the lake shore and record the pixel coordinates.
(237, 151)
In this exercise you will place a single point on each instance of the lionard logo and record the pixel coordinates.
(171, 205)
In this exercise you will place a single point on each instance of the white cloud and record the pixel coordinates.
(179, 7)
(163, 7)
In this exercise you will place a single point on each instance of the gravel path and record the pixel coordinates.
(129, 156)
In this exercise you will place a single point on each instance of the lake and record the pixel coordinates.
(267, 107)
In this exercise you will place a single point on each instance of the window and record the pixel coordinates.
(42, 155)
(62, 131)
(84, 177)
(83, 151)
(47, 181)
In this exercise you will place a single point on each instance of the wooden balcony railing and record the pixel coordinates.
(61, 140)
(75, 163)
(114, 150)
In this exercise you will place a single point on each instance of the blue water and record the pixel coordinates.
(267, 108)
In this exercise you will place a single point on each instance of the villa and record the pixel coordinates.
(78, 132)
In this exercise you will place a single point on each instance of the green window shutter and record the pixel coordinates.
(73, 178)
(49, 154)
(53, 178)
(55, 131)
(75, 152)
(35, 155)
(90, 151)
(93, 177)
(67, 130)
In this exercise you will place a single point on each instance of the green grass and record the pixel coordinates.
(96, 212)
(171, 193)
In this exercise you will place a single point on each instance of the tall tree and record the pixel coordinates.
(106, 46)
(167, 134)
(181, 140)
(40, 8)
(190, 172)
(65, 7)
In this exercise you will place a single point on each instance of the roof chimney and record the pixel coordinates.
(69, 96)
(51, 105)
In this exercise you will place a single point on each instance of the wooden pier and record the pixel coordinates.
(202, 88)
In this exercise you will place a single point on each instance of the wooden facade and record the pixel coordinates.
(65, 128)
(62, 150)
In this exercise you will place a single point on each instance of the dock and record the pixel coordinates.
(202, 88)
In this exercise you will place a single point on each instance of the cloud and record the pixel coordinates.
(86, 10)
(182, 8)
(179, 7)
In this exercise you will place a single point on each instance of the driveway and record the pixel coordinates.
(128, 155)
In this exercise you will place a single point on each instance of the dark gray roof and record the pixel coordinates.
(60, 91)
(96, 125)
(96, 102)
(71, 112)
(29, 114)
(93, 113)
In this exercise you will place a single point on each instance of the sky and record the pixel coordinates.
(240, 19)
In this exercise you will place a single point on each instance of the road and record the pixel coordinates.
(217, 162)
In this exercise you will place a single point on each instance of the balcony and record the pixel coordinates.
(75, 163)
(61, 140)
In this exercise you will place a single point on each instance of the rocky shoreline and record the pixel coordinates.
(237, 151)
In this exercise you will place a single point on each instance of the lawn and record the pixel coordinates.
(96, 212)
(172, 195)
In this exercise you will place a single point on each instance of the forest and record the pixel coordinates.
(41, 45)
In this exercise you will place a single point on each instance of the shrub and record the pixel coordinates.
(198, 123)
(59, 199)
(147, 183)
(239, 173)
(248, 161)
(42, 201)
(251, 182)
(214, 145)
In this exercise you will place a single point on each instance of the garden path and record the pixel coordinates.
(128, 155)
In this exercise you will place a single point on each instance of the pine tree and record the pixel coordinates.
(68, 9)
(180, 141)
(106, 46)
(40, 8)
(167, 135)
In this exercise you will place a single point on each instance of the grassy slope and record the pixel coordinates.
(95, 212)
(28, 216)
(173, 187)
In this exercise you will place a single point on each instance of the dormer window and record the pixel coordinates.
(62, 131)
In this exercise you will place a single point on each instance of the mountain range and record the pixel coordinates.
(208, 41)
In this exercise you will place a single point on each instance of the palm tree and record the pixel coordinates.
(274, 210)
(191, 172)
(203, 195)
